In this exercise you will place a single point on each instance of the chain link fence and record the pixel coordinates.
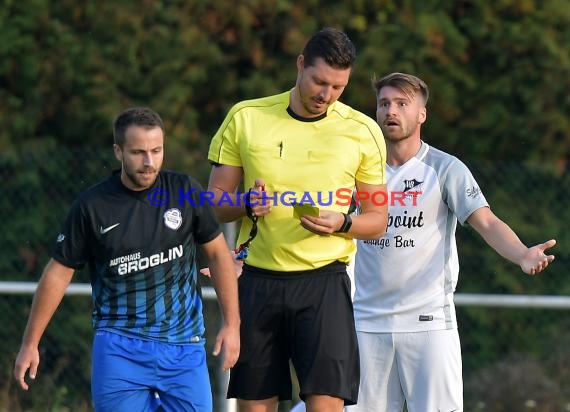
(514, 358)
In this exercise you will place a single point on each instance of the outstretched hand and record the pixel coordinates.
(535, 260)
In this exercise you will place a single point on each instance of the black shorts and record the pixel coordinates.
(305, 317)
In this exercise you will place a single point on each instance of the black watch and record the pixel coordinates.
(345, 227)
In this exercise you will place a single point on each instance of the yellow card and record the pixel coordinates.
(305, 209)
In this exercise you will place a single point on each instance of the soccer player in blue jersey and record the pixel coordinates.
(405, 280)
(148, 349)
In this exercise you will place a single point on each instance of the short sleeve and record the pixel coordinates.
(372, 168)
(224, 147)
(205, 224)
(72, 244)
(461, 192)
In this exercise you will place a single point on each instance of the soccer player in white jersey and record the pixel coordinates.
(404, 310)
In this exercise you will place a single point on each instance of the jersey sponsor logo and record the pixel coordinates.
(397, 241)
(135, 263)
(473, 191)
(103, 230)
(126, 258)
(173, 218)
(403, 220)
(382, 243)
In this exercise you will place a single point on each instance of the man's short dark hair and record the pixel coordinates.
(333, 46)
(135, 116)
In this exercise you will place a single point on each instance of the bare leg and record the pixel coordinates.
(324, 403)
(263, 405)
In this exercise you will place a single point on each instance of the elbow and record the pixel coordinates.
(377, 234)
(380, 233)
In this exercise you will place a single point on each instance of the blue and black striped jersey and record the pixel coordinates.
(141, 252)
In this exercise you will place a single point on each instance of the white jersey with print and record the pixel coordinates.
(405, 280)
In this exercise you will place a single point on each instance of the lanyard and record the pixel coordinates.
(242, 251)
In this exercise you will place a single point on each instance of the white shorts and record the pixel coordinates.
(421, 368)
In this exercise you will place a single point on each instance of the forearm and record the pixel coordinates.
(506, 243)
(503, 240)
(50, 291)
(223, 184)
(371, 222)
(224, 280)
(369, 225)
(228, 206)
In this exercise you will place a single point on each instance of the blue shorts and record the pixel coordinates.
(130, 374)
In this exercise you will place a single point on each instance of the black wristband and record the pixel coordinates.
(345, 227)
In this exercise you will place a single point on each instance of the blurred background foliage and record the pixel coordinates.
(499, 74)
(498, 71)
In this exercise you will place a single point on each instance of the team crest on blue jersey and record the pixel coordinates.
(173, 218)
